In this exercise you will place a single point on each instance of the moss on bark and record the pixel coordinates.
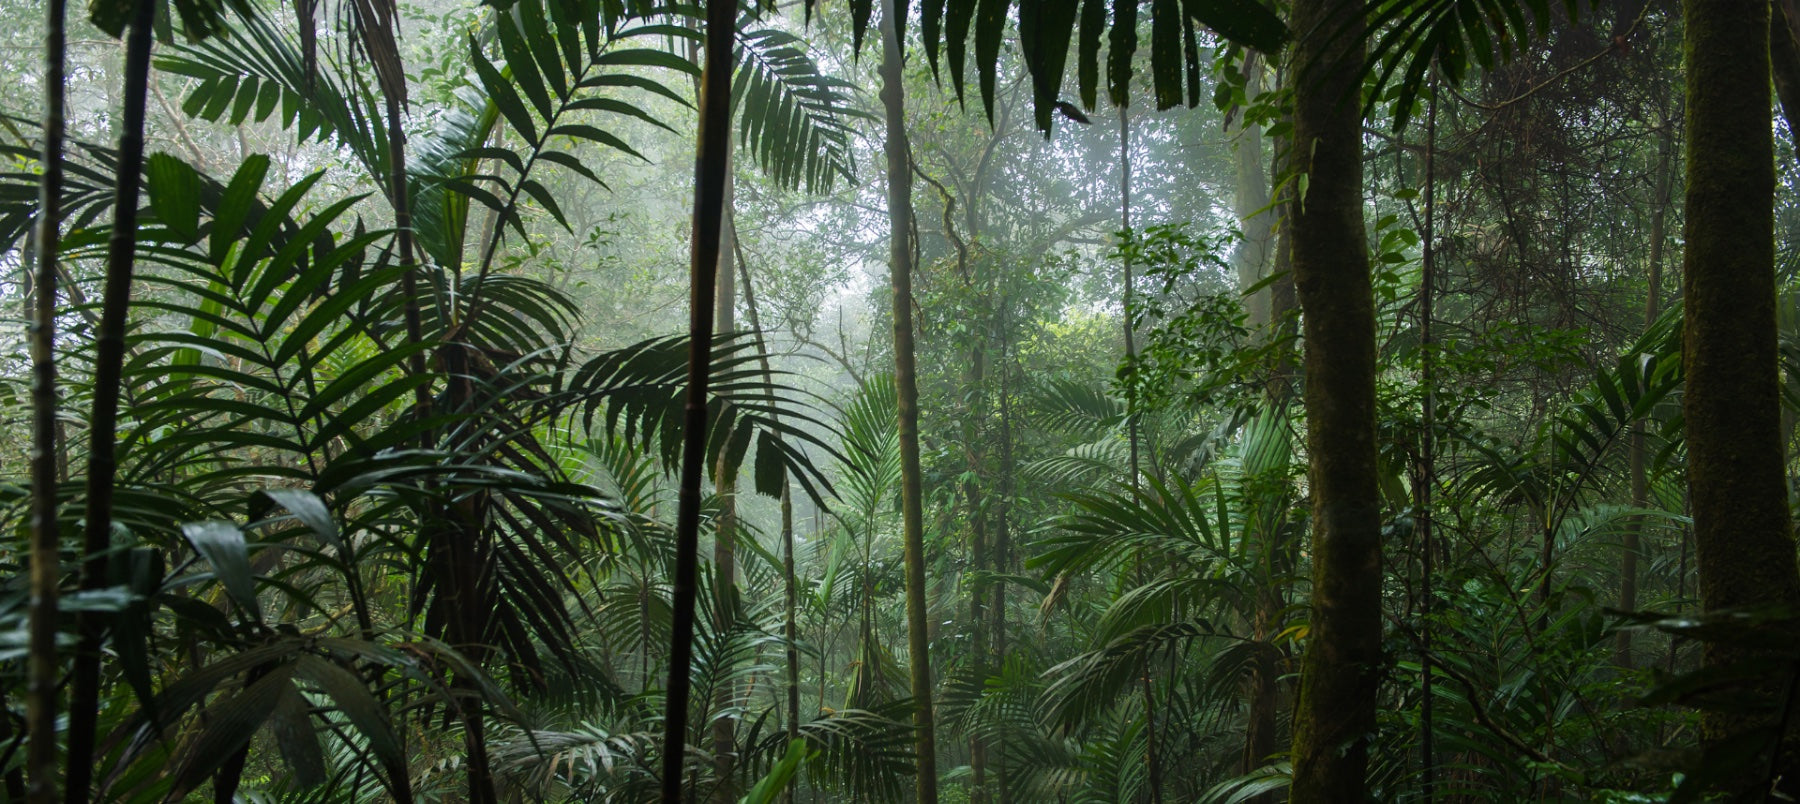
(1742, 529)
(1335, 717)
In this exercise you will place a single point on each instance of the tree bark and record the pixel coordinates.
(712, 147)
(1742, 532)
(1341, 670)
(46, 559)
(1250, 204)
(109, 358)
(900, 267)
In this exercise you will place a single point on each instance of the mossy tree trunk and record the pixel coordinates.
(1341, 670)
(1742, 531)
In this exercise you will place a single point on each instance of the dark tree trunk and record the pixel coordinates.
(46, 561)
(1340, 674)
(1742, 533)
(103, 425)
(900, 267)
(709, 204)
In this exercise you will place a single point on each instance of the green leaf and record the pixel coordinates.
(231, 723)
(222, 545)
(500, 92)
(521, 65)
(769, 789)
(174, 188)
(309, 510)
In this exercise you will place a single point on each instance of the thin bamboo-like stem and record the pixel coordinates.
(1131, 424)
(709, 205)
(900, 267)
(46, 563)
(103, 424)
(1427, 456)
(790, 629)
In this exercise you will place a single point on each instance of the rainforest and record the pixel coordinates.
(1150, 401)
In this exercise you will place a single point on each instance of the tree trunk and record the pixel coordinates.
(724, 730)
(790, 629)
(979, 559)
(1250, 204)
(1637, 455)
(900, 267)
(109, 358)
(1340, 674)
(1742, 531)
(710, 166)
(46, 561)
(1253, 261)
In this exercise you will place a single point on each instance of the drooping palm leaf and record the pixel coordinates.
(793, 120)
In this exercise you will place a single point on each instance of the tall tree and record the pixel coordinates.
(724, 729)
(109, 359)
(710, 168)
(46, 562)
(1340, 673)
(906, 382)
(1742, 529)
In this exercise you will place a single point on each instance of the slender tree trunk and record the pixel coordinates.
(979, 559)
(710, 169)
(1742, 530)
(1638, 452)
(1258, 218)
(1133, 435)
(46, 560)
(1427, 485)
(1250, 204)
(790, 623)
(724, 730)
(1340, 673)
(109, 358)
(1001, 551)
(900, 266)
